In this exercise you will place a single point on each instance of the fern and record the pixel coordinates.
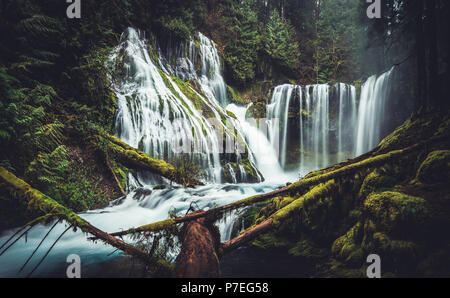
(39, 27)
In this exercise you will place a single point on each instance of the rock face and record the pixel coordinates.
(198, 257)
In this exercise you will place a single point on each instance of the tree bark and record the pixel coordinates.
(198, 257)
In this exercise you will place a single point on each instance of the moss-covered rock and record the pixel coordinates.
(306, 248)
(375, 180)
(397, 212)
(347, 247)
(435, 168)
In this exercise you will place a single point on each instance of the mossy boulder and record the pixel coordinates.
(436, 168)
(395, 211)
(375, 180)
(347, 247)
(306, 248)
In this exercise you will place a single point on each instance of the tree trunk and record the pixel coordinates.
(420, 48)
(431, 30)
(198, 257)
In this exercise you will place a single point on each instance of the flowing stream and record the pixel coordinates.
(154, 115)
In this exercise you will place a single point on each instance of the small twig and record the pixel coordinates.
(48, 251)
(26, 231)
(42, 241)
(111, 253)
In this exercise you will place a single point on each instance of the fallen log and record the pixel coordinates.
(278, 217)
(137, 159)
(37, 201)
(198, 257)
(297, 187)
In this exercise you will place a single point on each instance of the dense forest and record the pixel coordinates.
(65, 148)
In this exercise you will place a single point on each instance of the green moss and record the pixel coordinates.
(306, 248)
(135, 158)
(257, 110)
(234, 97)
(270, 241)
(394, 211)
(375, 180)
(304, 202)
(435, 168)
(347, 247)
(414, 131)
(121, 176)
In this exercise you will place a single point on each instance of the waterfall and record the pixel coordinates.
(266, 157)
(347, 119)
(155, 115)
(332, 127)
(211, 79)
(372, 109)
(278, 109)
(320, 126)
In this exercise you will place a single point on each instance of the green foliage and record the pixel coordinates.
(280, 44)
(69, 184)
(339, 40)
(242, 39)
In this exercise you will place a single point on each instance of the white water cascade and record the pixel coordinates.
(332, 127)
(154, 115)
(211, 80)
(266, 157)
(372, 110)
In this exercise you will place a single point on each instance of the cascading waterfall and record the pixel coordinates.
(347, 119)
(211, 78)
(328, 135)
(266, 157)
(372, 109)
(154, 115)
(278, 109)
(321, 125)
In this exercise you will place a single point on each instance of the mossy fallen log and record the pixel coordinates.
(312, 186)
(138, 159)
(37, 201)
(278, 217)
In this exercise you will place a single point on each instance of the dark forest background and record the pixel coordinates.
(54, 87)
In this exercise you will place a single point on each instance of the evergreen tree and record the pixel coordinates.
(280, 44)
